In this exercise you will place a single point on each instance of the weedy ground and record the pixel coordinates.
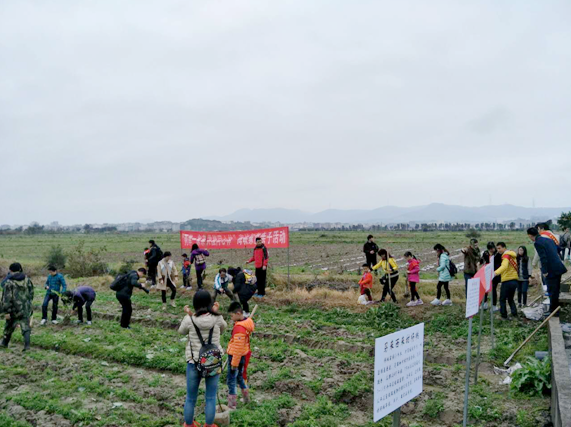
(312, 363)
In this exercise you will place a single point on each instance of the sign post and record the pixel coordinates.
(472, 302)
(489, 271)
(479, 343)
(398, 371)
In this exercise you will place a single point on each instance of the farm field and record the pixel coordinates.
(312, 359)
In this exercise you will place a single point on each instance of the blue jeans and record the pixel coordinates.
(50, 297)
(193, 378)
(235, 375)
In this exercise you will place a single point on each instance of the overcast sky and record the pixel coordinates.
(114, 111)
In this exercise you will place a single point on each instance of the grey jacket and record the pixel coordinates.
(204, 324)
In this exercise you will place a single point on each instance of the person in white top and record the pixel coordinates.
(167, 276)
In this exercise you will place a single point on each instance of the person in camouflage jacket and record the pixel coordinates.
(16, 305)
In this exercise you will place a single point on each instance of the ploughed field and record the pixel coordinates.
(312, 361)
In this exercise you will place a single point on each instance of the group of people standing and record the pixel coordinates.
(512, 271)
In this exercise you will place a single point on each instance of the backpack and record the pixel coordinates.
(209, 357)
(452, 269)
(160, 254)
(199, 259)
(119, 283)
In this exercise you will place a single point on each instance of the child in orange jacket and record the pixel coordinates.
(238, 354)
(366, 282)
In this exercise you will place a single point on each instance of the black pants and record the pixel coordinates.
(227, 292)
(439, 290)
(507, 293)
(261, 280)
(87, 311)
(127, 310)
(413, 292)
(199, 276)
(371, 260)
(172, 287)
(494, 293)
(55, 300)
(554, 287)
(244, 304)
(388, 287)
(186, 281)
(152, 273)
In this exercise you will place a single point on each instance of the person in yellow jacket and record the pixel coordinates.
(391, 276)
(508, 271)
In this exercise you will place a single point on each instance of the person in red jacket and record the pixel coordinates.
(260, 259)
(366, 282)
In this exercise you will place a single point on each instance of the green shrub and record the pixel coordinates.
(86, 263)
(124, 268)
(56, 257)
(534, 378)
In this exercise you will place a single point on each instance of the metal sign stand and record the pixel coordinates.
(396, 418)
(468, 360)
(479, 343)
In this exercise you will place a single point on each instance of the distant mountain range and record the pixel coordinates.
(435, 212)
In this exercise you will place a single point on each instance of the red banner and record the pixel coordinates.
(272, 238)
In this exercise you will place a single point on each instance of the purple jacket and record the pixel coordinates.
(83, 294)
(194, 253)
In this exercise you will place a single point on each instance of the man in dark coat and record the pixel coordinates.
(154, 257)
(552, 268)
(123, 295)
(370, 249)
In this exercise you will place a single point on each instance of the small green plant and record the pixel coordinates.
(56, 257)
(534, 378)
(434, 406)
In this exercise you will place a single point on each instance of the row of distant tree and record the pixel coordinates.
(209, 225)
(563, 222)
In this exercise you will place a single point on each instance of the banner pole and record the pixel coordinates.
(479, 343)
(468, 360)
(288, 244)
(396, 418)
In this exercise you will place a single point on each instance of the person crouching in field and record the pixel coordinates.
(167, 276)
(123, 286)
(186, 278)
(391, 276)
(55, 284)
(238, 354)
(444, 276)
(413, 278)
(84, 295)
(244, 286)
(366, 282)
(221, 282)
(206, 322)
(16, 305)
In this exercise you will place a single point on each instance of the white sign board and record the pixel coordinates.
(398, 369)
(489, 273)
(473, 297)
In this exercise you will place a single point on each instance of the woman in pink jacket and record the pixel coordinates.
(413, 278)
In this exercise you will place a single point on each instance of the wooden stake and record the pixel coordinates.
(509, 359)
